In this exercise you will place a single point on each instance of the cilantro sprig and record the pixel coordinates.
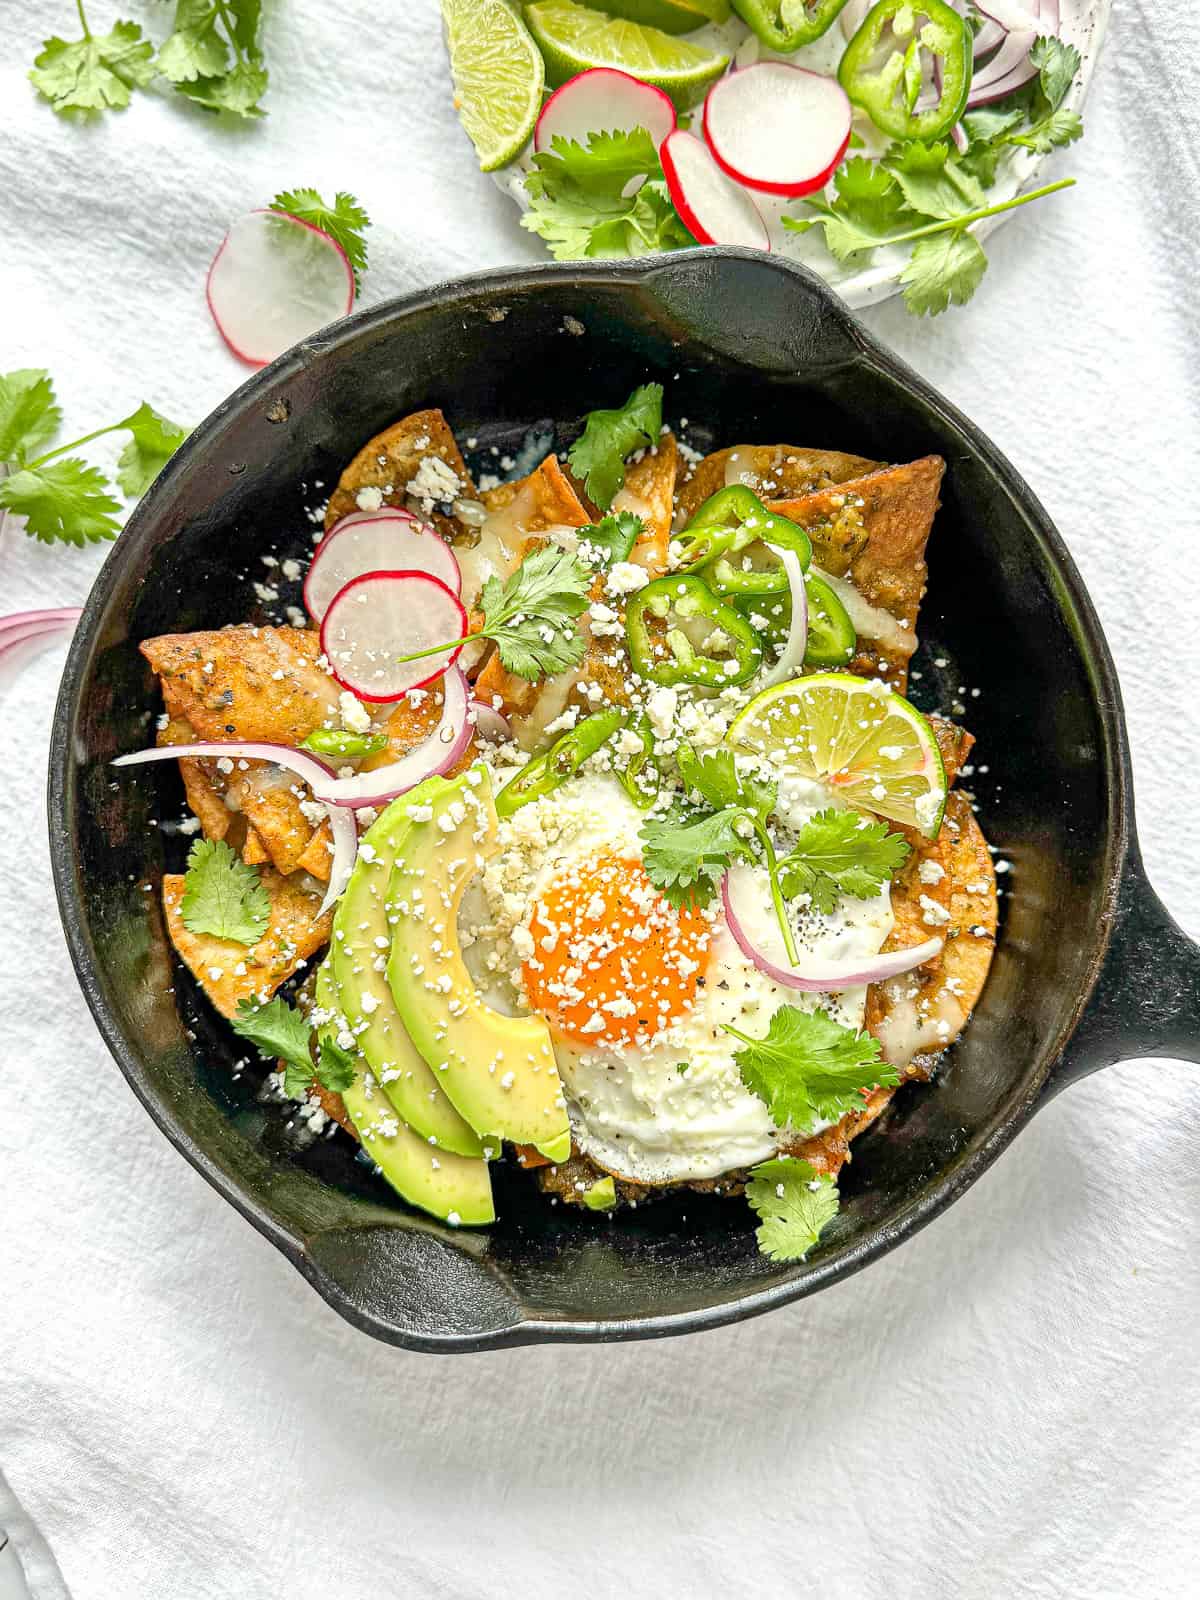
(930, 196)
(840, 853)
(222, 895)
(794, 1203)
(579, 205)
(609, 436)
(279, 1031)
(344, 222)
(809, 1070)
(212, 56)
(62, 498)
(531, 616)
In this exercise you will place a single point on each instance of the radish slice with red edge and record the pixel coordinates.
(713, 207)
(274, 281)
(815, 976)
(310, 768)
(379, 617)
(603, 100)
(778, 128)
(443, 749)
(375, 542)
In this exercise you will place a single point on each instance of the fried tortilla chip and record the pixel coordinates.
(254, 852)
(246, 683)
(394, 463)
(229, 972)
(199, 777)
(649, 492)
(873, 531)
(773, 471)
(270, 799)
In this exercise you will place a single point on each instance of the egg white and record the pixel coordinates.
(632, 1107)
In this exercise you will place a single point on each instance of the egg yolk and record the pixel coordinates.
(612, 961)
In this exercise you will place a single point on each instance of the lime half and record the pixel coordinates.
(498, 77)
(574, 38)
(855, 735)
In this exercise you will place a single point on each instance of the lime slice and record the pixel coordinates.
(498, 77)
(865, 742)
(672, 16)
(574, 38)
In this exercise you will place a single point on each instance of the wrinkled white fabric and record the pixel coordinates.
(1007, 1406)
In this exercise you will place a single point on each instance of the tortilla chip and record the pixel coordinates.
(199, 778)
(246, 683)
(254, 852)
(392, 459)
(873, 530)
(649, 492)
(267, 798)
(774, 471)
(229, 972)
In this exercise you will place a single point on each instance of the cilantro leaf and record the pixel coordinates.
(613, 537)
(598, 455)
(715, 778)
(944, 270)
(1059, 128)
(213, 57)
(868, 209)
(153, 441)
(808, 1070)
(64, 501)
(29, 413)
(96, 72)
(343, 221)
(532, 616)
(579, 205)
(1057, 65)
(605, 164)
(794, 1203)
(335, 1066)
(840, 853)
(932, 183)
(682, 851)
(222, 895)
(278, 1030)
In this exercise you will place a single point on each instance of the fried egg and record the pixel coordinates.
(564, 922)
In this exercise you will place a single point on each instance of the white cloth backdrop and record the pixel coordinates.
(1006, 1406)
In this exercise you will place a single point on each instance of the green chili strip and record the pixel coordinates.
(554, 767)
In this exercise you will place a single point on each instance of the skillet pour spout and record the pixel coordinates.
(1089, 968)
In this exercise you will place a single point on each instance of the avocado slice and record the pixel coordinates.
(499, 1072)
(454, 1188)
(361, 936)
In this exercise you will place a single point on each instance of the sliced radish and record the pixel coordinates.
(383, 541)
(778, 128)
(713, 207)
(603, 100)
(274, 281)
(381, 616)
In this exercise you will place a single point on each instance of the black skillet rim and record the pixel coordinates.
(61, 800)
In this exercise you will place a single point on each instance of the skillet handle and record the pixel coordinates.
(1147, 998)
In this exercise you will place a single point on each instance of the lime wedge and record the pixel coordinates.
(672, 16)
(498, 77)
(863, 741)
(574, 38)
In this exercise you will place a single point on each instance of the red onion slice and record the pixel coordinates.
(1011, 16)
(62, 616)
(30, 628)
(490, 723)
(1007, 70)
(791, 662)
(429, 759)
(825, 977)
(313, 771)
(375, 541)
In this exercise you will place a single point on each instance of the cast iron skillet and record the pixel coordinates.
(1090, 969)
